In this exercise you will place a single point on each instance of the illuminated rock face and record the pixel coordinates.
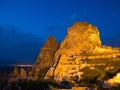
(114, 81)
(81, 48)
(45, 57)
(23, 73)
(81, 37)
(15, 71)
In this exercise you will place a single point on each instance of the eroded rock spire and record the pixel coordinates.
(45, 57)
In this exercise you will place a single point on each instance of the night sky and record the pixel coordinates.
(26, 24)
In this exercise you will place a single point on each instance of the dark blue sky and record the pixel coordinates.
(26, 24)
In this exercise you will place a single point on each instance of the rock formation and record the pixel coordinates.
(45, 58)
(115, 80)
(15, 71)
(23, 73)
(81, 38)
(82, 48)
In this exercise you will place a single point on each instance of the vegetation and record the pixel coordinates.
(104, 69)
(37, 85)
(46, 85)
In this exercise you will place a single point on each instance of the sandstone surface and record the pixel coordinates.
(15, 71)
(45, 57)
(80, 49)
(115, 80)
(23, 73)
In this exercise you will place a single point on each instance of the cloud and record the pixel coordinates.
(75, 17)
(55, 27)
(18, 46)
(30, 43)
(113, 40)
(58, 31)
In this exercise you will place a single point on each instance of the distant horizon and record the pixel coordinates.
(22, 65)
(17, 63)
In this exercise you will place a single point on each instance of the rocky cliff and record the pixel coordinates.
(45, 57)
(81, 38)
(81, 51)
